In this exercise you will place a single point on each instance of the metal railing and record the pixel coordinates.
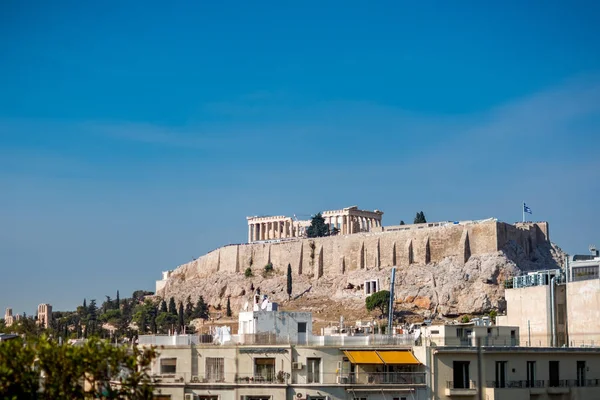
(461, 385)
(297, 376)
(266, 339)
(560, 383)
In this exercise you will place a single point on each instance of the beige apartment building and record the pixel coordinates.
(514, 373)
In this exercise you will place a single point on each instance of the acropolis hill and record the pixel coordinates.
(443, 267)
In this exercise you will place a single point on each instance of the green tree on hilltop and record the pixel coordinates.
(420, 218)
(318, 227)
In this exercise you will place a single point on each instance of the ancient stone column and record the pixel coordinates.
(249, 233)
(279, 229)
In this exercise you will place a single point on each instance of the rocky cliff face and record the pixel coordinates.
(448, 287)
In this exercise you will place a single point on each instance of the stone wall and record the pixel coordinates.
(331, 256)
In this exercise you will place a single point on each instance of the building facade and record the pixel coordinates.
(44, 315)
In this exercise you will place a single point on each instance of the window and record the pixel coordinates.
(301, 327)
(554, 374)
(435, 332)
(313, 367)
(500, 374)
(580, 373)
(256, 397)
(461, 374)
(530, 374)
(202, 397)
(168, 365)
(264, 369)
(215, 369)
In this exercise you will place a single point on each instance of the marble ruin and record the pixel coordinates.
(347, 221)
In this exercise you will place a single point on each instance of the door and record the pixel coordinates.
(554, 374)
(461, 374)
(580, 373)
(500, 374)
(531, 374)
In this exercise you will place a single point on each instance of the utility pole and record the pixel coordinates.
(479, 370)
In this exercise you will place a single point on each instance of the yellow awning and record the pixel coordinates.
(363, 357)
(398, 357)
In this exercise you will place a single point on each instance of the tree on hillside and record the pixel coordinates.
(117, 301)
(378, 300)
(318, 227)
(92, 317)
(163, 306)
(402, 222)
(181, 316)
(420, 218)
(228, 310)
(172, 306)
(84, 305)
(189, 309)
(289, 281)
(201, 310)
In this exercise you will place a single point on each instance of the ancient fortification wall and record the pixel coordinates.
(332, 256)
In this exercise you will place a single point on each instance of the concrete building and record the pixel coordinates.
(468, 334)
(347, 221)
(44, 315)
(557, 308)
(583, 299)
(536, 303)
(9, 318)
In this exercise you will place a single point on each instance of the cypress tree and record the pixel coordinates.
(181, 317)
(228, 311)
(289, 281)
(163, 306)
(172, 306)
(118, 301)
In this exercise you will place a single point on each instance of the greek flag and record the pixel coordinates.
(526, 209)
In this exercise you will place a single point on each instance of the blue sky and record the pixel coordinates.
(136, 137)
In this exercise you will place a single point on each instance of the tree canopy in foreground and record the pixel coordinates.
(44, 369)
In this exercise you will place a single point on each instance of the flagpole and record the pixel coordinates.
(523, 209)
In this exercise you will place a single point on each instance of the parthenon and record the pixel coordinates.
(347, 221)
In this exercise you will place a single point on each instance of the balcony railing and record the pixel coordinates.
(536, 384)
(516, 384)
(273, 339)
(301, 376)
(461, 385)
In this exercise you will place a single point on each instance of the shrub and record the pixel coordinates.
(248, 272)
(268, 268)
(465, 319)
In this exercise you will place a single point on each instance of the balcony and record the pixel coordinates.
(273, 339)
(461, 388)
(379, 378)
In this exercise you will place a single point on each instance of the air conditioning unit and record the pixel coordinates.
(297, 365)
(190, 396)
(342, 379)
